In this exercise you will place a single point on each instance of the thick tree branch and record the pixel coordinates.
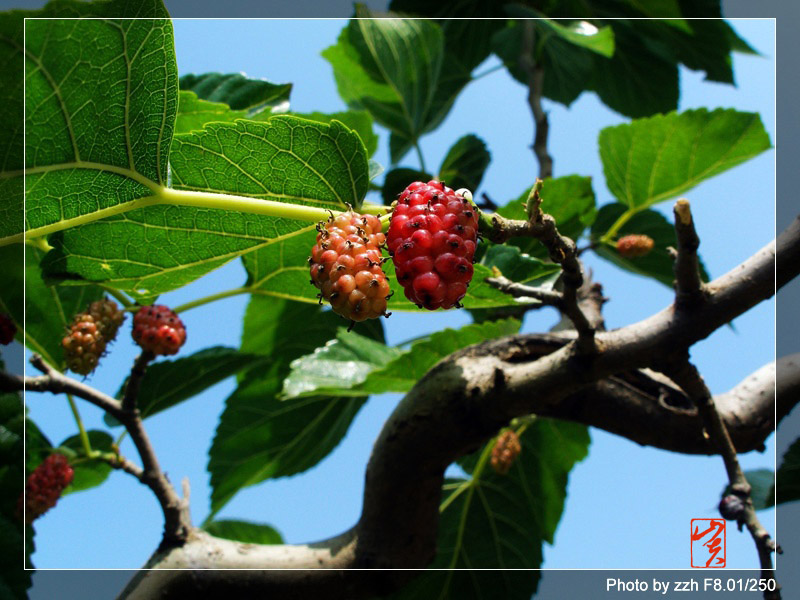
(466, 398)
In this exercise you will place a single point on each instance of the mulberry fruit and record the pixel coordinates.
(632, 246)
(45, 486)
(506, 449)
(7, 329)
(432, 240)
(89, 334)
(159, 330)
(731, 507)
(346, 266)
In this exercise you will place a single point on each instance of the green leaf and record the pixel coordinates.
(341, 364)
(569, 200)
(243, 531)
(89, 473)
(49, 308)
(351, 367)
(259, 436)
(465, 163)
(788, 475)
(638, 80)
(567, 68)
(285, 158)
(467, 26)
(194, 113)
(520, 267)
(398, 179)
(658, 263)
(170, 382)
(579, 33)
(359, 121)
(651, 160)
(393, 69)
(237, 91)
(160, 248)
(101, 98)
(762, 487)
(494, 521)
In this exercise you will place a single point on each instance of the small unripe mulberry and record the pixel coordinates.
(159, 330)
(45, 486)
(7, 329)
(432, 240)
(632, 246)
(83, 345)
(506, 449)
(731, 507)
(345, 264)
(89, 334)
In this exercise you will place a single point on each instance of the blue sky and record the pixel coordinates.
(646, 497)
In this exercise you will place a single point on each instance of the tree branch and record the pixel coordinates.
(467, 397)
(688, 285)
(686, 375)
(535, 75)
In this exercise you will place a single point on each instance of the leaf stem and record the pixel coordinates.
(213, 297)
(420, 157)
(87, 446)
(122, 298)
(612, 232)
(488, 71)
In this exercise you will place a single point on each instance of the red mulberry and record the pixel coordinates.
(432, 240)
(159, 330)
(632, 246)
(45, 486)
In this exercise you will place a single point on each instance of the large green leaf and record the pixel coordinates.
(170, 382)
(465, 163)
(49, 309)
(259, 436)
(788, 475)
(238, 91)
(393, 69)
(657, 264)
(243, 531)
(285, 158)
(654, 159)
(159, 248)
(89, 472)
(352, 367)
(493, 521)
(101, 97)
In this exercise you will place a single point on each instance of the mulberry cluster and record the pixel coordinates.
(7, 329)
(506, 449)
(432, 240)
(158, 329)
(632, 246)
(345, 265)
(45, 486)
(90, 333)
